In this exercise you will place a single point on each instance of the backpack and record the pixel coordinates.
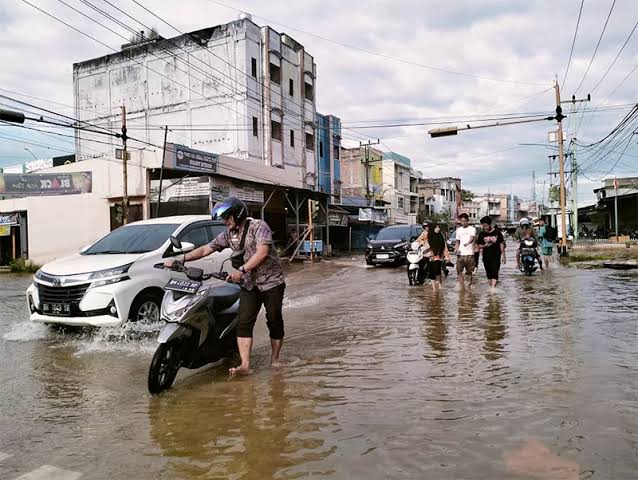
(551, 234)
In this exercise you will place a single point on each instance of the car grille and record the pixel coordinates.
(380, 249)
(71, 295)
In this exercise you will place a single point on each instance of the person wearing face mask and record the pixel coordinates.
(440, 253)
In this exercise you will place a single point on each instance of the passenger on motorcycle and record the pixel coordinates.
(528, 246)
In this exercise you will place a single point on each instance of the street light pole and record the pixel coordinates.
(31, 153)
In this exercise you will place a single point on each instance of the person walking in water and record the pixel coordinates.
(465, 237)
(492, 244)
(436, 239)
(547, 235)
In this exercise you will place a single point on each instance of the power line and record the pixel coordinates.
(571, 52)
(602, 33)
(377, 54)
(615, 59)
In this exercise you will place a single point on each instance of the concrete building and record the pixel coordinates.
(328, 152)
(440, 196)
(601, 218)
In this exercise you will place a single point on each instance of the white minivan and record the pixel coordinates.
(113, 280)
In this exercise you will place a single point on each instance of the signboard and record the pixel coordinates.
(184, 158)
(9, 219)
(119, 154)
(63, 160)
(5, 230)
(186, 187)
(553, 136)
(222, 188)
(34, 165)
(372, 215)
(45, 183)
(13, 169)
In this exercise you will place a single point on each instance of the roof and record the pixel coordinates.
(177, 219)
(397, 158)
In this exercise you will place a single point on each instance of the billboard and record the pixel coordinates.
(42, 184)
(179, 157)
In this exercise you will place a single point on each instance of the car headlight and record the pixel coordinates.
(110, 276)
(174, 310)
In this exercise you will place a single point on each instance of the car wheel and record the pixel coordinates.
(369, 262)
(146, 308)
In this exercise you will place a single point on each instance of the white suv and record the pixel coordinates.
(113, 280)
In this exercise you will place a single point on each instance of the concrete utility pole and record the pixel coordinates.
(366, 162)
(124, 170)
(574, 188)
(561, 165)
(616, 207)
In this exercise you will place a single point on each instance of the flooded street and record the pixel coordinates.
(537, 379)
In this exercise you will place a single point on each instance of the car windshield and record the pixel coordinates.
(133, 239)
(394, 233)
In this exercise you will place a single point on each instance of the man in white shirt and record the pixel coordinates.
(465, 236)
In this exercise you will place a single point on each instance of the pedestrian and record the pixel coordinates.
(464, 248)
(492, 245)
(258, 271)
(440, 253)
(547, 236)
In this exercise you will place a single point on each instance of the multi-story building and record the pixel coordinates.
(328, 155)
(440, 196)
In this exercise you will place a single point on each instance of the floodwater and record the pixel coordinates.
(535, 380)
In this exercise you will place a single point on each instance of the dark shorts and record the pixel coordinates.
(435, 269)
(250, 302)
(492, 267)
(465, 262)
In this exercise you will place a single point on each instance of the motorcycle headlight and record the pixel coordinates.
(173, 310)
(110, 276)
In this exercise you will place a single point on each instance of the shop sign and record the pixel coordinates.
(9, 219)
(186, 187)
(5, 230)
(41, 184)
(184, 158)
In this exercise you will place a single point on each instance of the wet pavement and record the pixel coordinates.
(535, 380)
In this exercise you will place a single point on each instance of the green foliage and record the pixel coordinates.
(466, 195)
(20, 265)
(444, 217)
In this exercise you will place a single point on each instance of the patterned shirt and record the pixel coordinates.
(269, 274)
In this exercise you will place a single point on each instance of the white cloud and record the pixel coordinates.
(525, 41)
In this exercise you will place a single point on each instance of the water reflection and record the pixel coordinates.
(253, 428)
(436, 330)
(495, 327)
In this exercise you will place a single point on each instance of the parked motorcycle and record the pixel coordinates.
(200, 323)
(417, 264)
(528, 256)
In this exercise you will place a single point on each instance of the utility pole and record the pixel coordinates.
(159, 195)
(366, 163)
(561, 164)
(616, 207)
(124, 170)
(574, 177)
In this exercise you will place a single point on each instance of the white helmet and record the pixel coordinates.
(524, 221)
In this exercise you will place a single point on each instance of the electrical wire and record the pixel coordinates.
(571, 51)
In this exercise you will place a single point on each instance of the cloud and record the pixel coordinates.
(525, 41)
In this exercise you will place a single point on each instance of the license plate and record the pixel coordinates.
(383, 256)
(184, 286)
(56, 308)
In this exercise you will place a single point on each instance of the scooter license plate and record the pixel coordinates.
(184, 286)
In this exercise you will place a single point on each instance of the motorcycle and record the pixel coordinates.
(200, 323)
(528, 256)
(417, 264)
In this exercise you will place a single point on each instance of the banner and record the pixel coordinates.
(5, 230)
(9, 219)
(42, 184)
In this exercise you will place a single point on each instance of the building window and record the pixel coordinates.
(276, 130)
(275, 73)
(255, 127)
(253, 67)
(291, 87)
(400, 203)
(442, 193)
(336, 152)
(310, 142)
(321, 149)
(309, 91)
(292, 138)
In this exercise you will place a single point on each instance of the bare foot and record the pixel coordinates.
(275, 363)
(239, 372)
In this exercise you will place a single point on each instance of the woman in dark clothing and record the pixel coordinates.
(440, 253)
(492, 244)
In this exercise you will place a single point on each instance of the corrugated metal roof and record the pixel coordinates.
(397, 158)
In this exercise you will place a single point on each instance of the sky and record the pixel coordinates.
(387, 62)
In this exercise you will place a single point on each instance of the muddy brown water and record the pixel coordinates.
(537, 379)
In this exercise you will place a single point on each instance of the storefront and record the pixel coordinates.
(13, 237)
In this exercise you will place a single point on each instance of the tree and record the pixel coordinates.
(423, 216)
(466, 195)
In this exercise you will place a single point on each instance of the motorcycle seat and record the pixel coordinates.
(223, 297)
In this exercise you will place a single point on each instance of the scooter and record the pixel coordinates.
(417, 264)
(528, 256)
(200, 323)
